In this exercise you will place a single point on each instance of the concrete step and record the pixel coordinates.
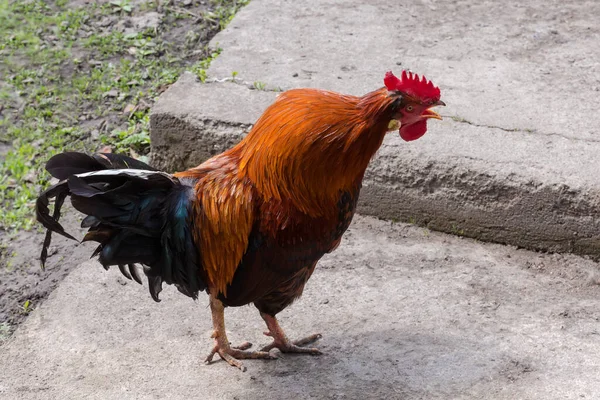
(515, 159)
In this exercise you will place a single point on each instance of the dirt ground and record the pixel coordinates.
(405, 314)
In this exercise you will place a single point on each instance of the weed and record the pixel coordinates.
(258, 85)
(223, 11)
(458, 119)
(200, 68)
(457, 230)
(121, 6)
(27, 307)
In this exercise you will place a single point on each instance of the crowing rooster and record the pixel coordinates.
(248, 225)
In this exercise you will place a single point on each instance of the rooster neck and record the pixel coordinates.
(311, 145)
(374, 113)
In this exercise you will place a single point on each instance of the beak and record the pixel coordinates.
(432, 114)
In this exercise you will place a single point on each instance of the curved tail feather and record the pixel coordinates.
(137, 214)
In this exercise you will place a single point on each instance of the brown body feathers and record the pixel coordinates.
(272, 206)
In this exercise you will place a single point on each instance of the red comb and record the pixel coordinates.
(412, 86)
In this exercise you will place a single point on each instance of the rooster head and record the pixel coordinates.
(415, 97)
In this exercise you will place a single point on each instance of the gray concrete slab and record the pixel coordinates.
(405, 314)
(515, 159)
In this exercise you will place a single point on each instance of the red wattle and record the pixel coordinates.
(413, 131)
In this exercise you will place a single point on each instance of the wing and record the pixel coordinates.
(225, 215)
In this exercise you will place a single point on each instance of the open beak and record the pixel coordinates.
(432, 114)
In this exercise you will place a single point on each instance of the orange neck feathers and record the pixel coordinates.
(310, 145)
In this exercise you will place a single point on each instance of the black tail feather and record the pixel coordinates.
(124, 271)
(131, 272)
(155, 287)
(68, 163)
(137, 215)
(51, 223)
(134, 271)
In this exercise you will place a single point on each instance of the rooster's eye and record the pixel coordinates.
(409, 108)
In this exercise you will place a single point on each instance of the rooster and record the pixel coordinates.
(248, 225)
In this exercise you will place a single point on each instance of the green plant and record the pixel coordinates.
(121, 6)
(258, 85)
(223, 11)
(456, 230)
(200, 68)
(135, 138)
(27, 307)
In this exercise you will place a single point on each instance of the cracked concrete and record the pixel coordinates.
(405, 314)
(525, 130)
(247, 84)
(514, 161)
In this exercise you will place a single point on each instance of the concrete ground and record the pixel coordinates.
(515, 159)
(405, 314)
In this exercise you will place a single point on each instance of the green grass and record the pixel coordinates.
(201, 66)
(224, 11)
(63, 75)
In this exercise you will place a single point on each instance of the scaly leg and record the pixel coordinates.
(281, 341)
(222, 346)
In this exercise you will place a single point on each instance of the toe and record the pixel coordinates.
(210, 356)
(268, 347)
(243, 346)
(303, 350)
(232, 361)
(308, 339)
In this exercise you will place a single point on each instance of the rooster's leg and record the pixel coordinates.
(222, 345)
(281, 341)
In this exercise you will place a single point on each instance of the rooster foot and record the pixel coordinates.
(233, 354)
(285, 345)
(295, 346)
(222, 346)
